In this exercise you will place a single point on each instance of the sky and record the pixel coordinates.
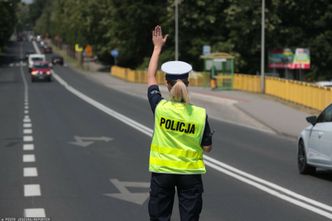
(27, 1)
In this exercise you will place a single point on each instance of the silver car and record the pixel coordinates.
(315, 143)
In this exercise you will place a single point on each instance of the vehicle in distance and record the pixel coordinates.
(32, 58)
(315, 143)
(41, 71)
(324, 83)
(47, 49)
(57, 60)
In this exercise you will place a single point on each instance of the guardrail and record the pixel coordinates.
(196, 79)
(305, 94)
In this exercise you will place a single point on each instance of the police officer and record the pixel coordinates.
(181, 134)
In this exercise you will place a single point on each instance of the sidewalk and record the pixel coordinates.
(247, 109)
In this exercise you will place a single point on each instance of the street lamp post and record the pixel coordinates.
(176, 30)
(263, 48)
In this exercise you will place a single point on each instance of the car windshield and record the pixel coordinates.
(37, 59)
(41, 66)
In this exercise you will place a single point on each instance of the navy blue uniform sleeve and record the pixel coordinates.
(154, 96)
(207, 136)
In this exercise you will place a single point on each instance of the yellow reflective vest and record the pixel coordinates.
(176, 143)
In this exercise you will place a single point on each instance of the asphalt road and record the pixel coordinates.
(73, 149)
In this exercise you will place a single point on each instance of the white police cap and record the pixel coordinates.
(176, 70)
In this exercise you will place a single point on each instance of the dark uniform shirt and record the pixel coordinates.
(154, 97)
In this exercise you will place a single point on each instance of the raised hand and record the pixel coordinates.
(157, 37)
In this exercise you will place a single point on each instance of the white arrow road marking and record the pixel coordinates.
(86, 141)
(126, 195)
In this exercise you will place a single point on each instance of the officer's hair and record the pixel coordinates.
(179, 90)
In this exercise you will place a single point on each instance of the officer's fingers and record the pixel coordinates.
(154, 33)
(158, 30)
(165, 38)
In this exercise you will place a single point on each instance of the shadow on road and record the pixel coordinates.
(7, 56)
(324, 174)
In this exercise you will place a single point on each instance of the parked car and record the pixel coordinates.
(41, 71)
(324, 83)
(57, 60)
(315, 143)
(32, 58)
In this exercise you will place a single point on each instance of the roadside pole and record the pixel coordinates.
(263, 49)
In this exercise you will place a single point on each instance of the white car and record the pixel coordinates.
(32, 58)
(324, 83)
(315, 143)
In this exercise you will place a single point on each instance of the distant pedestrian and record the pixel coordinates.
(181, 134)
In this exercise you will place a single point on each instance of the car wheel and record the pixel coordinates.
(303, 166)
(33, 79)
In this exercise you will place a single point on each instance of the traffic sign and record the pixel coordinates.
(206, 49)
(78, 48)
(115, 53)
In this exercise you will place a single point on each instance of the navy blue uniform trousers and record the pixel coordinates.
(162, 190)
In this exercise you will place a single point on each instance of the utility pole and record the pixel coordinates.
(263, 49)
(176, 30)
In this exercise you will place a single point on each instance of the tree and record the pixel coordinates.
(8, 20)
(232, 26)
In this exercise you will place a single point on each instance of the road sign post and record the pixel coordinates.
(115, 54)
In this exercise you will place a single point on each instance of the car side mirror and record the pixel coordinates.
(312, 120)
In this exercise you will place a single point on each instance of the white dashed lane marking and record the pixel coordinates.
(27, 138)
(27, 125)
(27, 131)
(30, 172)
(34, 212)
(32, 190)
(28, 147)
(26, 120)
(29, 158)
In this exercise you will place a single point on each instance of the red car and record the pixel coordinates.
(41, 71)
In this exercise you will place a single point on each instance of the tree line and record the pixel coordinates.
(8, 20)
(232, 26)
